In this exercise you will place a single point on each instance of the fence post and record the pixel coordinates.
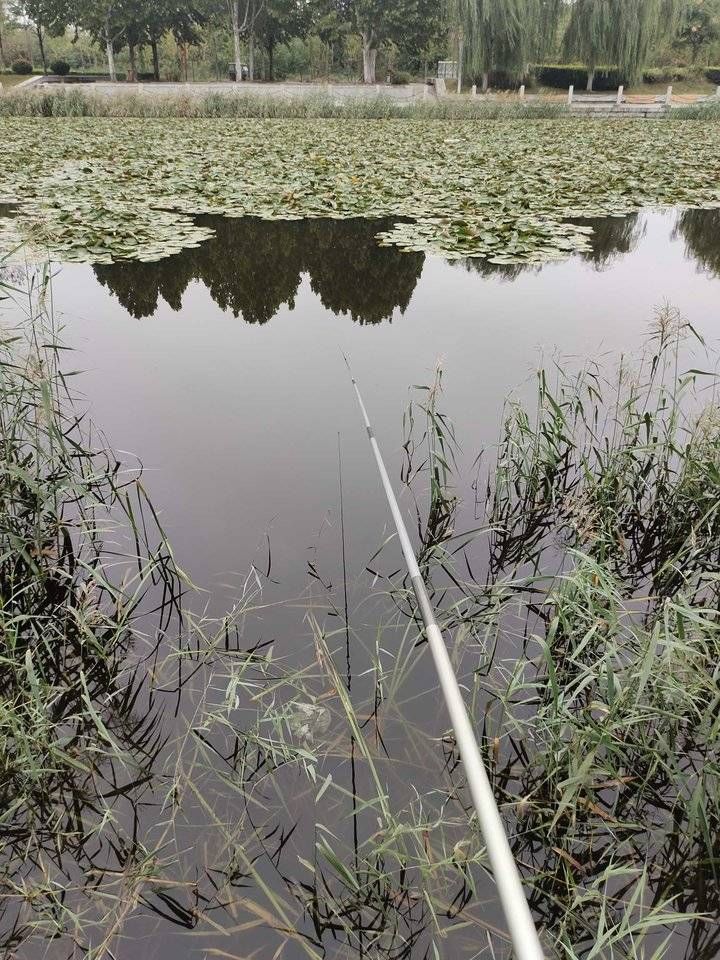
(621, 90)
(474, 90)
(668, 96)
(571, 90)
(522, 91)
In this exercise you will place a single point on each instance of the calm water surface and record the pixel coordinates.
(221, 369)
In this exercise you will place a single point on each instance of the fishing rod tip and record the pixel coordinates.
(347, 364)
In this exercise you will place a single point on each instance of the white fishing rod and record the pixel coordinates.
(524, 936)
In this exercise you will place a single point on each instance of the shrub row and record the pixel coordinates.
(563, 75)
(22, 67)
(610, 78)
(665, 74)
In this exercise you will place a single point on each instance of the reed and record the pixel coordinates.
(77, 103)
(158, 762)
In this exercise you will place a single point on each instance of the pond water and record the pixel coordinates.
(222, 370)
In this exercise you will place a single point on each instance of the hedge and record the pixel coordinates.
(665, 74)
(563, 75)
(713, 75)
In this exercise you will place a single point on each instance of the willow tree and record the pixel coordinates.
(501, 34)
(620, 33)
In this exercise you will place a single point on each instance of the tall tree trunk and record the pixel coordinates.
(132, 72)
(110, 56)
(590, 80)
(271, 61)
(2, 49)
(38, 30)
(461, 45)
(369, 57)
(156, 58)
(184, 60)
(485, 81)
(251, 56)
(237, 39)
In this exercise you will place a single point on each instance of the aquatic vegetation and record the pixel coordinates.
(507, 190)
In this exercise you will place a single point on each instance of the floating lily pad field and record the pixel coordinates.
(96, 190)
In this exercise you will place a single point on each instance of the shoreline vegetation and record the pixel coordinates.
(589, 644)
(130, 102)
(506, 189)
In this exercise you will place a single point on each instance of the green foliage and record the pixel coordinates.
(619, 32)
(699, 28)
(21, 67)
(399, 77)
(60, 68)
(713, 75)
(667, 74)
(498, 34)
(613, 480)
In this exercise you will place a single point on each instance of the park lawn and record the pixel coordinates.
(11, 79)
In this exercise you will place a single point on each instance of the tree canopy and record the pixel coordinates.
(618, 32)
(494, 38)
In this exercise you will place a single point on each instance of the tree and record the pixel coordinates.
(244, 16)
(330, 25)
(621, 33)
(499, 34)
(376, 21)
(699, 28)
(106, 21)
(182, 18)
(46, 16)
(2, 25)
(279, 21)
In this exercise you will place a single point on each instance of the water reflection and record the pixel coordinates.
(612, 237)
(253, 267)
(700, 229)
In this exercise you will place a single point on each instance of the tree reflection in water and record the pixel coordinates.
(611, 237)
(253, 267)
(700, 229)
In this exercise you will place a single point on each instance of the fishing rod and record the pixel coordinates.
(524, 936)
